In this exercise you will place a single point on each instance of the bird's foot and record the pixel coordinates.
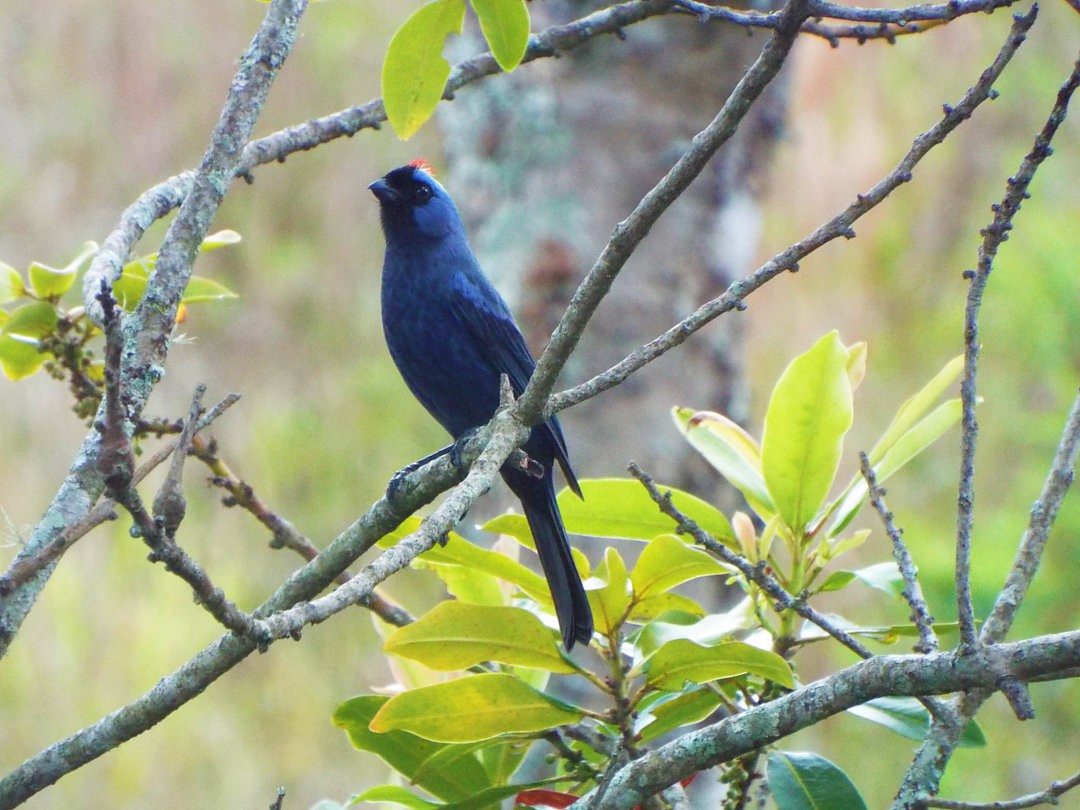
(393, 489)
(459, 449)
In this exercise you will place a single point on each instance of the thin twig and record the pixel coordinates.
(920, 612)
(993, 235)
(753, 573)
(1051, 795)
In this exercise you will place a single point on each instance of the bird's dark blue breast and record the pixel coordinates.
(441, 362)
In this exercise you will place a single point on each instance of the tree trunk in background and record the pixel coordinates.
(544, 162)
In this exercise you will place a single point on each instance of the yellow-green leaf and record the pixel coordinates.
(505, 24)
(412, 756)
(472, 709)
(52, 282)
(734, 453)
(680, 661)
(414, 73)
(621, 507)
(11, 284)
(666, 562)
(809, 413)
(456, 635)
(20, 354)
(609, 603)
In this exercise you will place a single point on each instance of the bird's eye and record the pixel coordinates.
(422, 194)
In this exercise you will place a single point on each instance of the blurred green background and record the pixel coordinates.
(97, 103)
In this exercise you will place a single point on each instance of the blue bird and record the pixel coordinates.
(451, 336)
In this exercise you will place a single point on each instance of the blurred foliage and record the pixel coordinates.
(102, 101)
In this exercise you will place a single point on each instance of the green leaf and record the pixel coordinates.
(456, 635)
(805, 781)
(52, 282)
(883, 576)
(20, 355)
(666, 562)
(11, 284)
(473, 708)
(201, 289)
(731, 450)
(505, 24)
(620, 507)
(809, 412)
(609, 603)
(651, 607)
(837, 580)
(680, 710)
(414, 73)
(460, 552)
(711, 630)
(916, 406)
(408, 754)
(680, 661)
(912, 442)
(909, 718)
(884, 634)
(393, 794)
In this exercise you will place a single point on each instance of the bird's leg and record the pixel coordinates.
(459, 449)
(399, 477)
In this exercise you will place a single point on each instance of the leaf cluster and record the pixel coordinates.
(475, 678)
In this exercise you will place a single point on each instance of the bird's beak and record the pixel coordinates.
(383, 192)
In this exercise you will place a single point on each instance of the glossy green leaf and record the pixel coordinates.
(710, 630)
(394, 794)
(456, 635)
(408, 754)
(473, 708)
(883, 576)
(915, 407)
(666, 562)
(621, 508)
(19, 339)
(681, 710)
(681, 661)
(651, 607)
(912, 442)
(460, 552)
(505, 24)
(52, 282)
(11, 284)
(837, 580)
(805, 781)
(414, 73)
(809, 413)
(909, 718)
(610, 603)
(201, 289)
(734, 453)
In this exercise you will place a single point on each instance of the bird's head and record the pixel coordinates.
(414, 205)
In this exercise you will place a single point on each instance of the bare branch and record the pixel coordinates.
(629, 233)
(920, 612)
(788, 260)
(911, 675)
(1049, 796)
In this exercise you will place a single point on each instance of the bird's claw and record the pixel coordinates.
(459, 448)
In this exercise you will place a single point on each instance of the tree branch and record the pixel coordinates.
(628, 234)
(882, 675)
(788, 260)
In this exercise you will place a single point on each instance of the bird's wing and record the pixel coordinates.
(496, 336)
(489, 324)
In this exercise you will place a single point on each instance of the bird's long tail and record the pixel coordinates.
(542, 512)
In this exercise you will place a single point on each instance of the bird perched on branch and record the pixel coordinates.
(451, 336)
